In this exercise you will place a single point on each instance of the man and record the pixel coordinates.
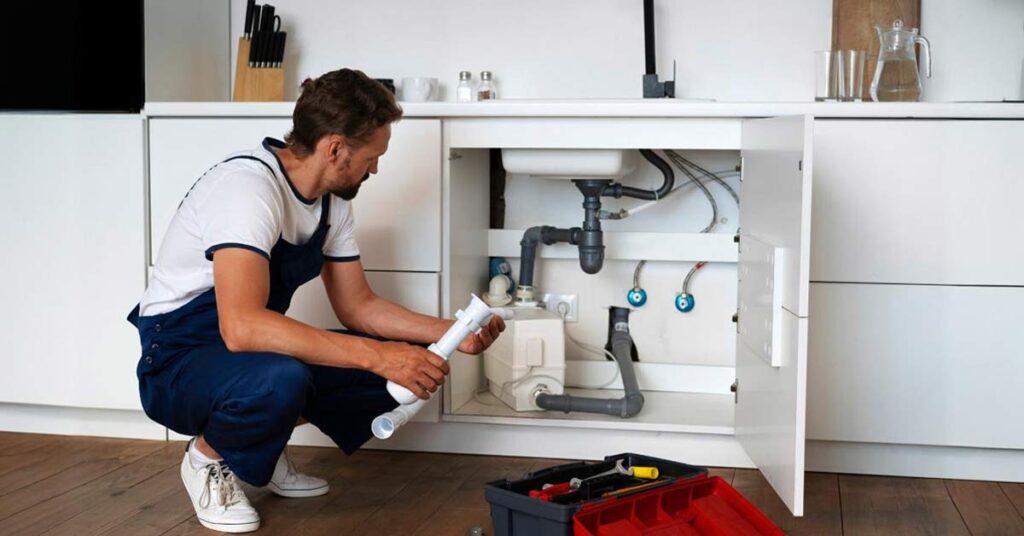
(221, 362)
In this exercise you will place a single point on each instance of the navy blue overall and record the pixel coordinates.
(246, 404)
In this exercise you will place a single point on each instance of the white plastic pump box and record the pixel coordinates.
(530, 353)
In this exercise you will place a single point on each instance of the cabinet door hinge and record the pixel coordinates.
(800, 165)
(735, 388)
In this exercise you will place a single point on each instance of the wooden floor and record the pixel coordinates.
(81, 486)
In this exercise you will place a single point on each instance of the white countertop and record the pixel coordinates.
(621, 108)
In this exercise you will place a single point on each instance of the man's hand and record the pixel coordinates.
(413, 367)
(478, 342)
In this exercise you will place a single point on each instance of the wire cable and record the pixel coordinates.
(707, 193)
(710, 174)
(689, 276)
(636, 273)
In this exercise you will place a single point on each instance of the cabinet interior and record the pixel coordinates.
(686, 360)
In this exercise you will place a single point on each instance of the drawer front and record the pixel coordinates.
(924, 365)
(398, 211)
(915, 201)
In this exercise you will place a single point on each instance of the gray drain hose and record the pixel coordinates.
(632, 401)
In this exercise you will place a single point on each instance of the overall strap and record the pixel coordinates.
(325, 209)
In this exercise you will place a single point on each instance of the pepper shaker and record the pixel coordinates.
(486, 90)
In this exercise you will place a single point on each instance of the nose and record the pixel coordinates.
(373, 168)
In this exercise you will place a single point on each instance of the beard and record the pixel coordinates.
(349, 193)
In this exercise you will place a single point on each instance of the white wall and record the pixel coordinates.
(736, 50)
(188, 57)
(977, 49)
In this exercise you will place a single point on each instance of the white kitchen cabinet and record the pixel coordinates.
(764, 426)
(771, 349)
(397, 212)
(72, 206)
(916, 364)
(918, 202)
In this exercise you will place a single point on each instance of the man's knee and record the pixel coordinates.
(291, 380)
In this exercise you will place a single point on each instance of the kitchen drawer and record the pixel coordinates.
(901, 201)
(923, 365)
(397, 212)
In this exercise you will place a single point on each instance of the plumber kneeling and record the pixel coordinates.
(220, 360)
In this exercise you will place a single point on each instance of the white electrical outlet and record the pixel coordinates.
(551, 302)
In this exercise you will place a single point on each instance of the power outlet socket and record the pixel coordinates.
(551, 302)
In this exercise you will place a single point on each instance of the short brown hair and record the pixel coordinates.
(345, 102)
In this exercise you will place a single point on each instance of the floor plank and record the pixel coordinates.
(370, 480)
(15, 454)
(882, 505)
(822, 513)
(82, 497)
(94, 460)
(79, 486)
(1014, 492)
(427, 493)
(985, 508)
(726, 473)
(54, 458)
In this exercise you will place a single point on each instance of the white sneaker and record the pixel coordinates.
(288, 482)
(217, 497)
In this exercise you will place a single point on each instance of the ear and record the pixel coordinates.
(334, 147)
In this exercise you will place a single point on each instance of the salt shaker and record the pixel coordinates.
(464, 91)
(486, 90)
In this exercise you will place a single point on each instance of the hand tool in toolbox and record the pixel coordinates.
(549, 492)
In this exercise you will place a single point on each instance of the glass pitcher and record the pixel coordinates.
(896, 74)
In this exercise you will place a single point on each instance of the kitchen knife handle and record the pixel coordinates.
(280, 56)
(254, 41)
(248, 18)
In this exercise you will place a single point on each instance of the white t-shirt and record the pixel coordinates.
(239, 203)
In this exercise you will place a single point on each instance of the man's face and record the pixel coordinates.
(353, 165)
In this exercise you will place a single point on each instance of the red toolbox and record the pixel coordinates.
(684, 501)
(701, 506)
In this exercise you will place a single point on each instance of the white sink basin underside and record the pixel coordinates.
(569, 163)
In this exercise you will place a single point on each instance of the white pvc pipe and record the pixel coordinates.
(466, 322)
(385, 425)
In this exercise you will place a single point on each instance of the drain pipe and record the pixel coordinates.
(627, 406)
(617, 190)
(589, 239)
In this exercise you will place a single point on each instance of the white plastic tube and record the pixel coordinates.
(466, 322)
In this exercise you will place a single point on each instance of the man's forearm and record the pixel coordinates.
(387, 319)
(269, 331)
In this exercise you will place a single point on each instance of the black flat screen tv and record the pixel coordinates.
(73, 55)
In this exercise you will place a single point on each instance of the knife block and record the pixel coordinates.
(256, 84)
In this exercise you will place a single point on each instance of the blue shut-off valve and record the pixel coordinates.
(684, 303)
(636, 296)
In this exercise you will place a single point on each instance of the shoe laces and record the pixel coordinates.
(220, 481)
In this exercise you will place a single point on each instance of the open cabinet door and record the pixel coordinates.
(774, 267)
